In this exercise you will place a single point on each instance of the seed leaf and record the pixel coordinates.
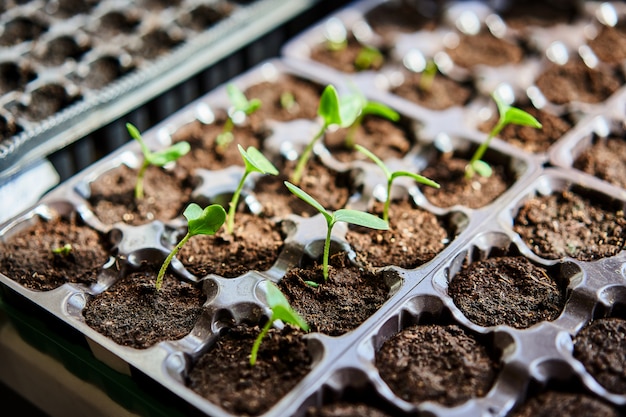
(281, 310)
(417, 177)
(170, 154)
(329, 106)
(360, 218)
(256, 161)
(308, 199)
(205, 222)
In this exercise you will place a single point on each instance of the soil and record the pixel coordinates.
(115, 22)
(449, 172)
(441, 94)
(224, 376)
(103, 71)
(62, 49)
(21, 29)
(528, 138)
(69, 8)
(27, 256)
(605, 159)
(567, 224)
(132, 313)
(343, 59)
(8, 128)
(155, 44)
(348, 298)
(254, 245)
(521, 15)
(610, 44)
(436, 363)
(553, 403)
(576, 82)
(48, 100)
(415, 236)
(342, 409)
(390, 18)
(112, 196)
(600, 347)
(484, 49)
(507, 290)
(14, 77)
(204, 16)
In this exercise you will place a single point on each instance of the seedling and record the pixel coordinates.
(255, 161)
(354, 107)
(392, 176)
(199, 222)
(367, 58)
(288, 101)
(428, 75)
(64, 250)
(508, 115)
(159, 158)
(240, 108)
(356, 217)
(281, 310)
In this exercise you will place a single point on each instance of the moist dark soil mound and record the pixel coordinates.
(59, 50)
(104, 71)
(507, 290)
(14, 77)
(224, 376)
(342, 409)
(568, 224)
(21, 29)
(156, 43)
(132, 313)
(48, 100)
(455, 189)
(605, 159)
(415, 236)
(390, 18)
(28, 259)
(610, 44)
(600, 346)
(436, 363)
(439, 94)
(485, 49)
(115, 22)
(113, 199)
(521, 15)
(347, 299)
(204, 16)
(254, 245)
(344, 59)
(563, 404)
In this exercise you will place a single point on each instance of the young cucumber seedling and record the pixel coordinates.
(354, 107)
(255, 161)
(240, 108)
(159, 158)
(199, 222)
(392, 176)
(281, 310)
(356, 217)
(368, 57)
(64, 250)
(508, 115)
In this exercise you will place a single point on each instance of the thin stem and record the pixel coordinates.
(349, 141)
(483, 146)
(259, 338)
(387, 201)
(139, 184)
(168, 260)
(230, 226)
(327, 251)
(306, 154)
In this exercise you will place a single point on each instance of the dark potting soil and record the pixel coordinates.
(225, 377)
(382, 137)
(254, 245)
(46, 101)
(349, 297)
(132, 313)
(61, 49)
(115, 22)
(568, 224)
(112, 197)
(436, 363)
(103, 71)
(521, 15)
(605, 159)
(600, 346)
(8, 128)
(344, 59)
(455, 189)
(575, 81)
(484, 49)
(68, 8)
(156, 43)
(610, 43)
(343, 409)
(439, 94)
(21, 29)
(28, 259)
(15, 77)
(506, 290)
(415, 236)
(529, 138)
(390, 18)
(204, 16)
(553, 403)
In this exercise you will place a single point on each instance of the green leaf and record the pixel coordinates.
(418, 178)
(482, 168)
(329, 106)
(381, 110)
(308, 199)
(350, 107)
(360, 218)
(374, 158)
(237, 97)
(204, 222)
(520, 117)
(281, 310)
(367, 57)
(256, 161)
(133, 131)
(253, 105)
(170, 154)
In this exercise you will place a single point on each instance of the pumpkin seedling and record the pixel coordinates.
(199, 222)
(254, 161)
(355, 217)
(507, 115)
(240, 108)
(64, 250)
(281, 310)
(158, 158)
(392, 176)
(354, 107)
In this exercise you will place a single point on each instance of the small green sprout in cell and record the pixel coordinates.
(254, 161)
(159, 158)
(64, 250)
(240, 108)
(281, 310)
(368, 57)
(288, 101)
(354, 107)
(508, 115)
(199, 222)
(392, 176)
(428, 75)
(355, 217)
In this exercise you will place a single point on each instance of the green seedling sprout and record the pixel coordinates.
(199, 222)
(159, 158)
(254, 161)
(508, 115)
(64, 250)
(281, 310)
(428, 75)
(355, 217)
(354, 107)
(328, 109)
(392, 176)
(240, 105)
(287, 100)
(368, 57)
